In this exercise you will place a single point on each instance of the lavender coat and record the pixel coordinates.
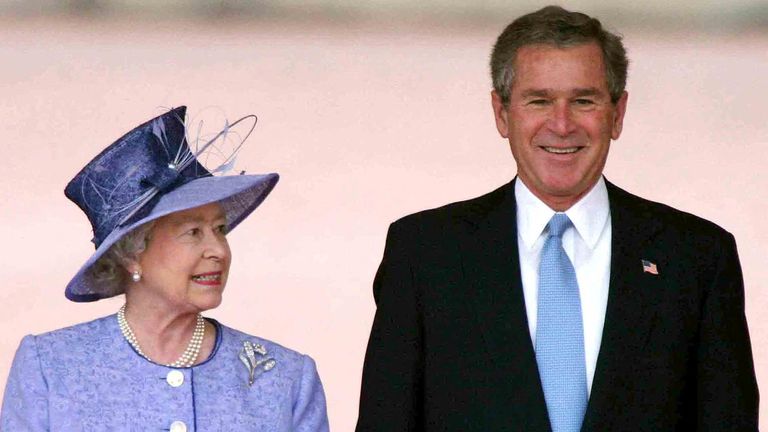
(88, 378)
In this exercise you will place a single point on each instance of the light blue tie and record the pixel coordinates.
(560, 334)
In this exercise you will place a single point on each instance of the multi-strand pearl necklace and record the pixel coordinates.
(187, 358)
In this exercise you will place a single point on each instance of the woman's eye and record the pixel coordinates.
(193, 232)
(222, 229)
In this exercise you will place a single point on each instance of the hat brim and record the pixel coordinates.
(239, 195)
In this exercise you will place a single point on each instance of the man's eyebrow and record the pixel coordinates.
(588, 91)
(536, 93)
(582, 91)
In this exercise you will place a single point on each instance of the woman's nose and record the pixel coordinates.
(216, 246)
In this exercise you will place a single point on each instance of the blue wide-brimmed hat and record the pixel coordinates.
(148, 173)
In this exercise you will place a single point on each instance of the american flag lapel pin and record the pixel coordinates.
(649, 267)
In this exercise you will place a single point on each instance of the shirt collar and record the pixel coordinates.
(589, 215)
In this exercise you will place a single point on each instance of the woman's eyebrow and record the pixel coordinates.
(198, 219)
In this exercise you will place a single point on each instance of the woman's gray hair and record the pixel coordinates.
(561, 28)
(110, 271)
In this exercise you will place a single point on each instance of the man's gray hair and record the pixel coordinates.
(110, 270)
(561, 28)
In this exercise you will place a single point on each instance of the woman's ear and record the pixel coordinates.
(133, 268)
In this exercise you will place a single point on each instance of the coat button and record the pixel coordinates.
(178, 426)
(175, 378)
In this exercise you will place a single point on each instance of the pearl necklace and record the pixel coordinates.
(187, 358)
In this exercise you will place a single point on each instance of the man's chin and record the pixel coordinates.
(562, 194)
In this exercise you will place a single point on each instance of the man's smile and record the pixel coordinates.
(561, 150)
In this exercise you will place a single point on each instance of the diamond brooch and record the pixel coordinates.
(254, 357)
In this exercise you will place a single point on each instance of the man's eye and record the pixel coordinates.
(538, 102)
(193, 232)
(584, 102)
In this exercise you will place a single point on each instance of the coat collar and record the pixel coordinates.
(589, 215)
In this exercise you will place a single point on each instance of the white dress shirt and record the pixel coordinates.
(588, 245)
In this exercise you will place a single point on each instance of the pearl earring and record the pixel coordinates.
(136, 276)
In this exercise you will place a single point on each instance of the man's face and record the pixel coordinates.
(560, 120)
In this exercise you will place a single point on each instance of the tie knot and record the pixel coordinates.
(558, 224)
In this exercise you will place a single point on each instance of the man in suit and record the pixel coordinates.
(558, 301)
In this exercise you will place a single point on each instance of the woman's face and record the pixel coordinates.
(185, 265)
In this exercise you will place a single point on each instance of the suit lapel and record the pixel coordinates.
(630, 311)
(491, 267)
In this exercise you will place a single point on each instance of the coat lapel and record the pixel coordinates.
(632, 297)
(491, 267)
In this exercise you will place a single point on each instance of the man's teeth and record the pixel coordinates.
(559, 150)
(207, 278)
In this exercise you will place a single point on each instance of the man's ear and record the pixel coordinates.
(500, 114)
(618, 116)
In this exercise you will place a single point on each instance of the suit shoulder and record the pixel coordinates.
(670, 217)
(451, 213)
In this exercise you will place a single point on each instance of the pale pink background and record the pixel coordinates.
(365, 125)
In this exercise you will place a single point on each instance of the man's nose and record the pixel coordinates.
(561, 119)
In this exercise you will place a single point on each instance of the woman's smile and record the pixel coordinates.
(210, 278)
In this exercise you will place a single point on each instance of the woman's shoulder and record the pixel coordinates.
(81, 330)
(233, 340)
(69, 347)
(80, 337)
(95, 325)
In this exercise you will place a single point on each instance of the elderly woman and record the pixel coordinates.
(160, 223)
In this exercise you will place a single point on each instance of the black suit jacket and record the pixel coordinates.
(450, 348)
